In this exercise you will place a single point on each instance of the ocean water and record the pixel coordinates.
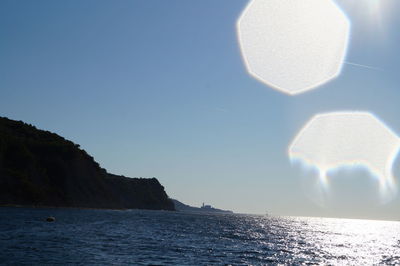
(135, 237)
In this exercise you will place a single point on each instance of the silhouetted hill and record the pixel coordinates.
(40, 168)
(179, 206)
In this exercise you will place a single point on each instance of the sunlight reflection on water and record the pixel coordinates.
(361, 242)
(156, 237)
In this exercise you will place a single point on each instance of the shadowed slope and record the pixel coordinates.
(40, 168)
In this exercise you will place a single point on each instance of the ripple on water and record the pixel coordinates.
(155, 237)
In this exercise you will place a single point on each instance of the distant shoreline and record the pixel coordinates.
(74, 208)
(182, 207)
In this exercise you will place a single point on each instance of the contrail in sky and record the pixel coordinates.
(364, 66)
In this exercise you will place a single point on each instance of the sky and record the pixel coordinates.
(158, 88)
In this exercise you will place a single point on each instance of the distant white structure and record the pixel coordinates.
(340, 139)
(293, 45)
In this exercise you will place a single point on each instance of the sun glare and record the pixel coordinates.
(374, 14)
(293, 46)
(348, 139)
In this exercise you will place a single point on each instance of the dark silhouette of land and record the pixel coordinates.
(179, 206)
(40, 168)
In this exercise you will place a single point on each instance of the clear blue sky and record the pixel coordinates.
(158, 88)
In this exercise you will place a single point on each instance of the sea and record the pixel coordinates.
(141, 237)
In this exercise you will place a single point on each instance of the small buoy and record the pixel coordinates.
(50, 219)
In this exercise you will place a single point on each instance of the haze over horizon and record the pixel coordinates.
(158, 88)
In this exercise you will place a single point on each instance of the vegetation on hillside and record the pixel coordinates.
(41, 168)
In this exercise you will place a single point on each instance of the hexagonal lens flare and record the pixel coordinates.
(293, 45)
(340, 139)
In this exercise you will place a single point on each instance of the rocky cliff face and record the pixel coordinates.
(40, 168)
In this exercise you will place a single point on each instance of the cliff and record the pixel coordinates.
(40, 168)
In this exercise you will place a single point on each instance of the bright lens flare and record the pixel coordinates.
(375, 14)
(378, 12)
(375, 8)
(348, 139)
(293, 45)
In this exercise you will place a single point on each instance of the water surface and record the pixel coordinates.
(106, 237)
